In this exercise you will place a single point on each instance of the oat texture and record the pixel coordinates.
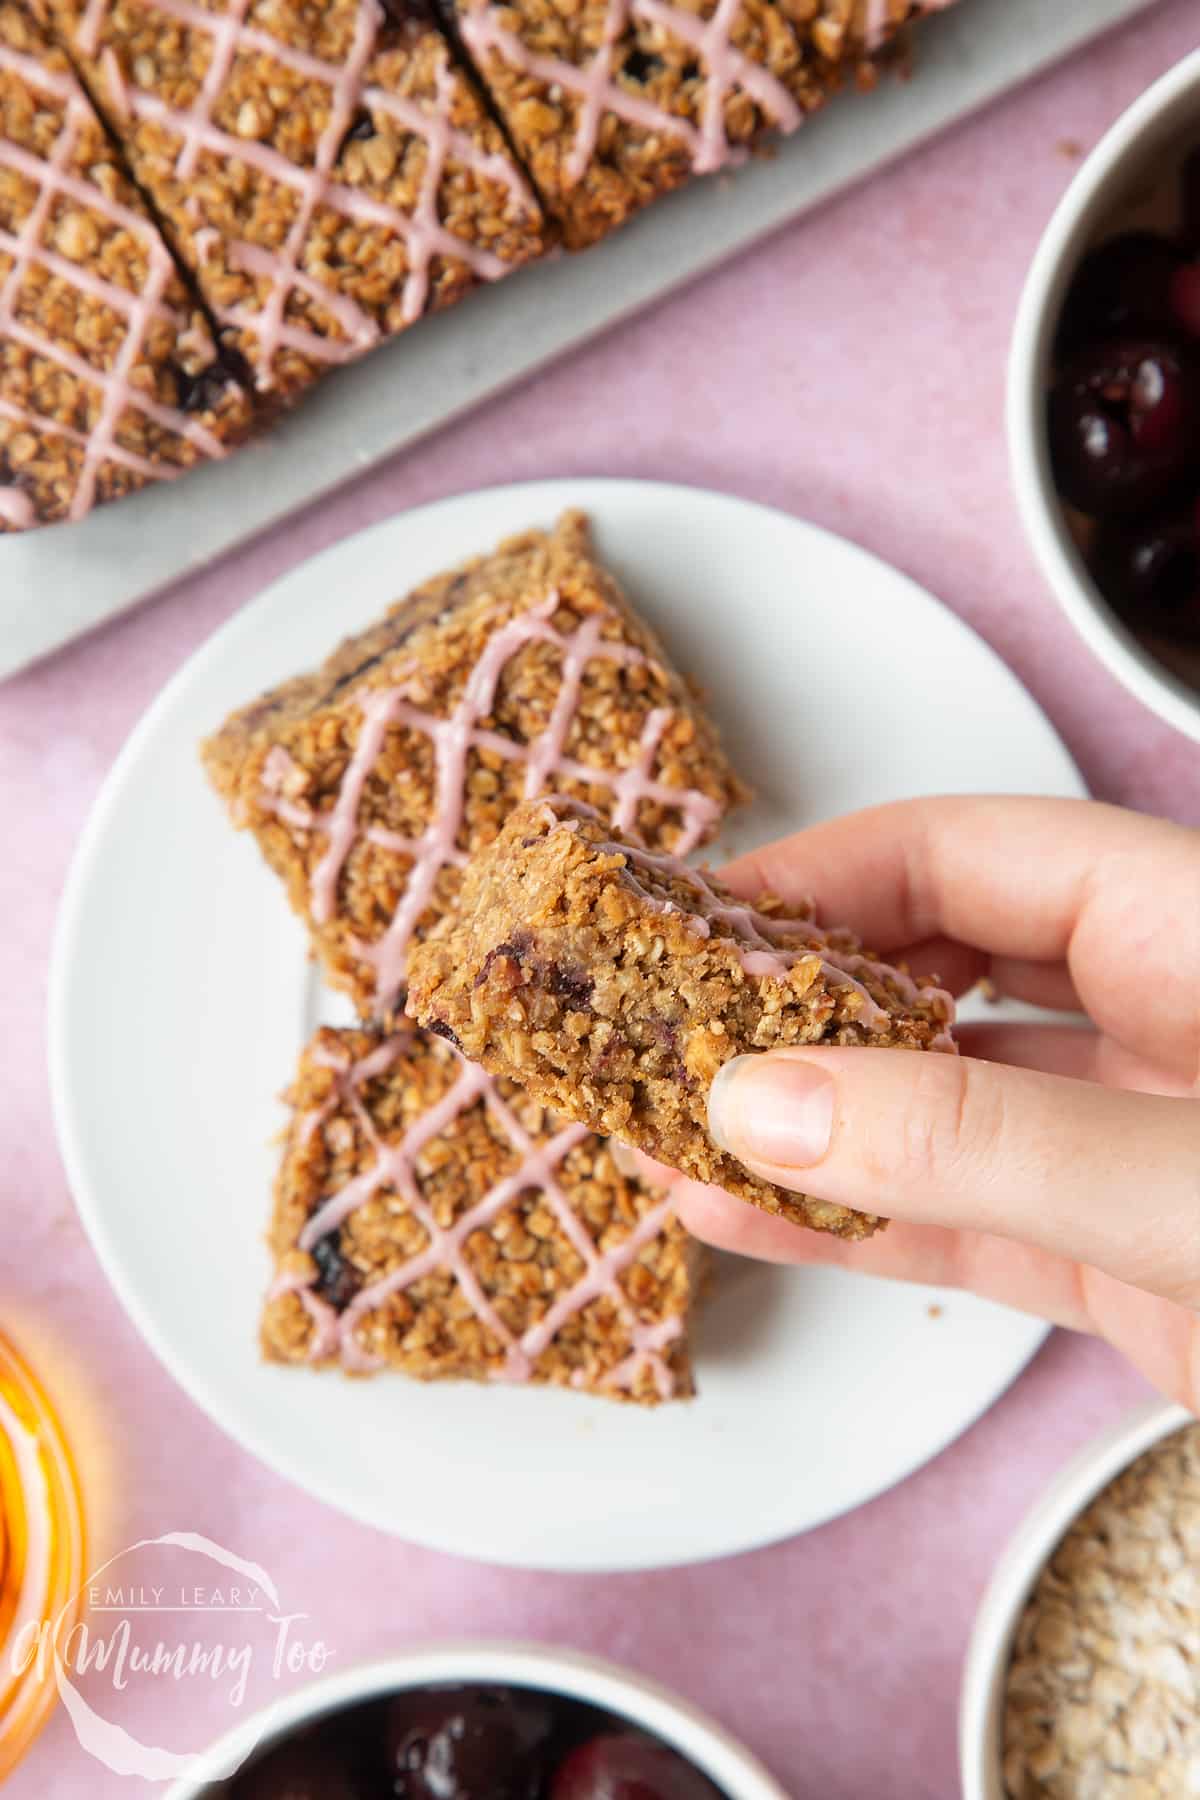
(109, 377)
(1103, 1693)
(614, 102)
(326, 172)
(431, 1221)
(368, 782)
(613, 982)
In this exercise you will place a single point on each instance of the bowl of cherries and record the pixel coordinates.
(480, 1722)
(1104, 399)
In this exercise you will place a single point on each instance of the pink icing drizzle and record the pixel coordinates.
(726, 68)
(395, 1168)
(877, 22)
(756, 936)
(423, 233)
(54, 179)
(204, 240)
(127, 458)
(453, 738)
(495, 165)
(341, 827)
(117, 86)
(88, 33)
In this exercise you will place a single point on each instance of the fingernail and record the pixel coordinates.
(772, 1108)
(625, 1158)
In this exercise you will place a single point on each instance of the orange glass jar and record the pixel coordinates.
(41, 1554)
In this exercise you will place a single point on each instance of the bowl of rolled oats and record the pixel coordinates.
(1082, 1679)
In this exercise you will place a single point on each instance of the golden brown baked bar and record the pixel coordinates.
(613, 982)
(369, 782)
(433, 1221)
(109, 376)
(327, 174)
(613, 102)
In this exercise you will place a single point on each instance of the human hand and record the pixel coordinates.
(1054, 1168)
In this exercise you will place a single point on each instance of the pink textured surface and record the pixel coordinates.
(851, 371)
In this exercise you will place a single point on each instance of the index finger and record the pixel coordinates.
(1113, 894)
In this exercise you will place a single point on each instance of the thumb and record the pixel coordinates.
(1098, 1174)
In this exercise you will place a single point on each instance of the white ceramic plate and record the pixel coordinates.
(180, 996)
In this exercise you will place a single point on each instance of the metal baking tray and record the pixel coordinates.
(57, 583)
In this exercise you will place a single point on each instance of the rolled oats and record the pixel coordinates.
(431, 1221)
(109, 377)
(327, 172)
(1103, 1693)
(351, 782)
(611, 104)
(635, 978)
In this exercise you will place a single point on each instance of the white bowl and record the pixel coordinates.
(705, 1743)
(981, 1706)
(1144, 139)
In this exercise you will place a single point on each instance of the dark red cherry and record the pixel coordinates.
(1189, 201)
(302, 1769)
(337, 1278)
(1185, 298)
(1150, 573)
(1124, 424)
(627, 1767)
(468, 1743)
(1121, 286)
